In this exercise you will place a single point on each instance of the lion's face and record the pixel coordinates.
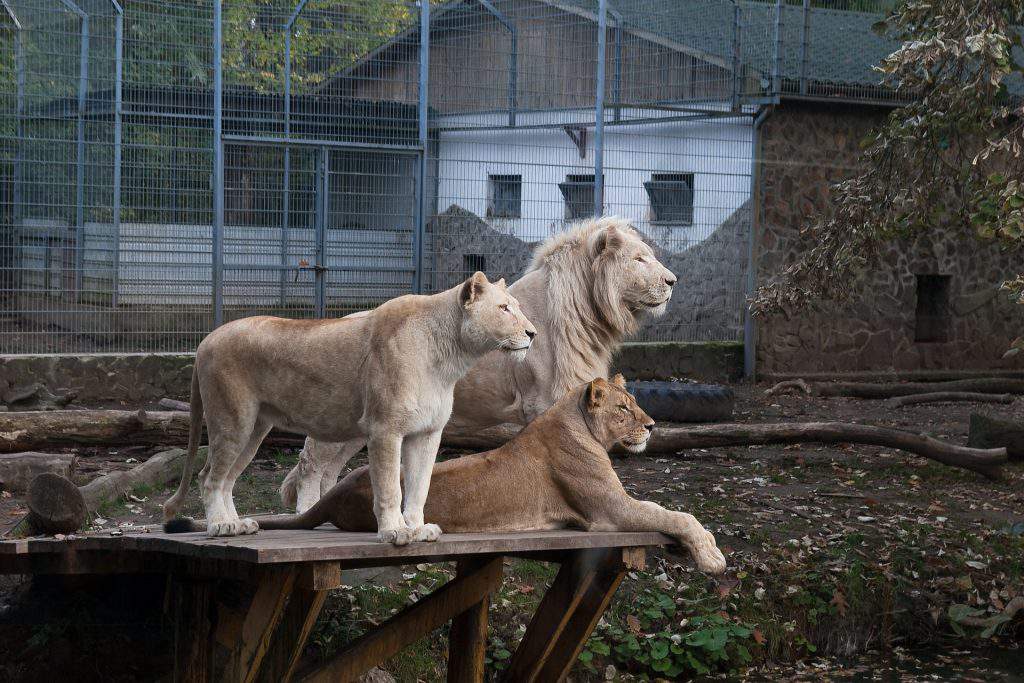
(492, 317)
(643, 283)
(614, 416)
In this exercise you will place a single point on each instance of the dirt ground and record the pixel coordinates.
(835, 551)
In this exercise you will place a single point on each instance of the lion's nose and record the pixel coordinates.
(531, 334)
(649, 427)
(670, 280)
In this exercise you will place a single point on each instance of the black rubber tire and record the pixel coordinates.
(681, 402)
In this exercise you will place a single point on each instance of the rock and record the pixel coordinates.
(376, 675)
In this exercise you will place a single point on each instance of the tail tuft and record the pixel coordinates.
(181, 525)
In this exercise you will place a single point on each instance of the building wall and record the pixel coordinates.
(717, 151)
(805, 148)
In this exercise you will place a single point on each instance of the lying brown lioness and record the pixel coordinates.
(554, 474)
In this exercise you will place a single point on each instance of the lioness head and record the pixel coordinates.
(492, 317)
(614, 416)
(627, 272)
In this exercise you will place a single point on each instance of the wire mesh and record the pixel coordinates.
(360, 163)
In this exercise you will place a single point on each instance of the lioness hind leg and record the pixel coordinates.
(227, 432)
(636, 515)
(311, 478)
(419, 452)
(385, 453)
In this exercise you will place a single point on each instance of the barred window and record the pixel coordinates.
(504, 196)
(578, 192)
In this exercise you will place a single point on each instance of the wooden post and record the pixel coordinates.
(467, 641)
(246, 632)
(193, 629)
(567, 615)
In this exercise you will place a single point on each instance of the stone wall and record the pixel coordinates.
(707, 303)
(804, 149)
(101, 379)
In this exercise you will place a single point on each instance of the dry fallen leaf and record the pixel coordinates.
(839, 602)
(633, 624)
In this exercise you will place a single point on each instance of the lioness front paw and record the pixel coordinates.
(426, 532)
(401, 536)
(236, 527)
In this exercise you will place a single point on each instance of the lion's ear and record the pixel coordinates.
(609, 238)
(619, 381)
(597, 390)
(501, 283)
(473, 288)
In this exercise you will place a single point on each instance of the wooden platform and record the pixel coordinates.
(243, 607)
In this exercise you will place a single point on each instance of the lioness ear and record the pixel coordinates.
(609, 238)
(501, 283)
(473, 288)
(597, 390)
(619, 381)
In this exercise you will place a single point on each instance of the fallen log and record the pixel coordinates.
(174, 404)
(17, 470)
(987, 431)
(949, 397)
(674, 439)
(38, 430)
(988, 385)
(56, 505)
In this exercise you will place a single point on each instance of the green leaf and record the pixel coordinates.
(659, 649)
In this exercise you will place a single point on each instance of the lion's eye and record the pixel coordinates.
(641, 259)
(624, 409)
(503, 307)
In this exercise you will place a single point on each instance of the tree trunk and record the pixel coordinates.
(163, 468)
(665, 440)
(17, 470)
(991, 432)
(31, 430)
(990, 385)
(949, 397)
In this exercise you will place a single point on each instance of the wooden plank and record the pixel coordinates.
(327, 544)
(292, 633)
(566, 616)
(412, 623)
(467, 641)
(247, 632)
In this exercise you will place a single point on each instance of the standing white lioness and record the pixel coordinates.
(386, 376)
(586, 289)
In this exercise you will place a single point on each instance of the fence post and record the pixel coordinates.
(804, 35)
(83, 85)
(118, 111)
(286, 191)
(602, 47)
(777, 66)
(19, 68)
(320, 233)
(217, 263)
(737, 78)
(423, 102)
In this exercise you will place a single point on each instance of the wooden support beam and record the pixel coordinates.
(245, 630)
(567, 615)
(467, 641)
(320, 576)
(409, 625)
(293, 632)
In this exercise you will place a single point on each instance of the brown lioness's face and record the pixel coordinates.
(614, 415)
(493, 317)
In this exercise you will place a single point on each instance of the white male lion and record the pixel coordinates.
(386, 377)
(554, 474)
(586, 289)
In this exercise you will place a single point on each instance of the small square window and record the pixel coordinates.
(931, 318)
(578, 192)
(472, 263)
(504, 196)
(671, 196)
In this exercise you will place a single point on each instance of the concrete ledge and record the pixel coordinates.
(708, 361)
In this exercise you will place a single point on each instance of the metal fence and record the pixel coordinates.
(169, 165)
